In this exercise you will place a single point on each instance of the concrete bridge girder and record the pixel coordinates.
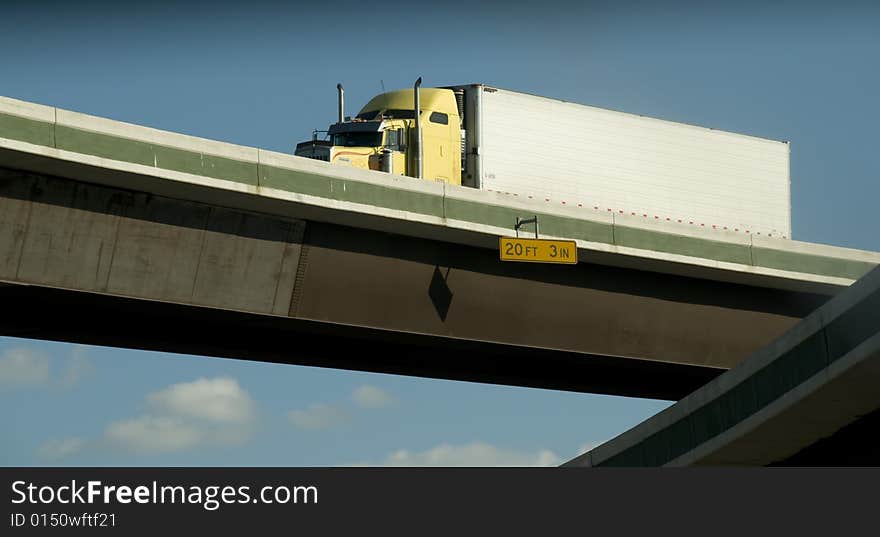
(71, 234)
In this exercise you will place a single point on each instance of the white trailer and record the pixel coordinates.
(559, 152)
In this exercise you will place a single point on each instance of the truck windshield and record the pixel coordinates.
(358, 139)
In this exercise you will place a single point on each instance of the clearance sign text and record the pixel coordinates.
(537, 250)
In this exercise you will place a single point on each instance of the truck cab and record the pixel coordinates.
(382, 135)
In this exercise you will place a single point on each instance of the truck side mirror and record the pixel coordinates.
(393, 140)
(401, 140)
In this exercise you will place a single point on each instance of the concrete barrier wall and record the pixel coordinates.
(26, 128)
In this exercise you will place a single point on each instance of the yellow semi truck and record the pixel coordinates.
(557, 152)
(384, 135)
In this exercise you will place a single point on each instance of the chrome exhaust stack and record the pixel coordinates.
(341, 102)
(417, 141)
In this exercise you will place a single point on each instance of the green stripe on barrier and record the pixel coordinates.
(350, 191)
(505, 217)
(812, 264)
(294, 181)
(388, 197)
(27, 130)
(677, 244)
(147, 154)
(104, 146)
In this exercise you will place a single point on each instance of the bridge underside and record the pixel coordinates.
(852, 445)
(808, 398)
(97, 319)
(96, 264)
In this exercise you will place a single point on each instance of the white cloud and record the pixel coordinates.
(473, 454)
(54, 450)
(219, 400)
(20, 366)
(78, 366)
(368, 396)
(184, 416)
(317, 416)
(153, 435)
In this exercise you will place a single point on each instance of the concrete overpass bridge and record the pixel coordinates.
(123, 235)
(809, 398)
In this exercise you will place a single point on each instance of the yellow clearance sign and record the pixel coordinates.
(537, 250)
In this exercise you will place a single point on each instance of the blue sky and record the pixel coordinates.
(265, 75)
